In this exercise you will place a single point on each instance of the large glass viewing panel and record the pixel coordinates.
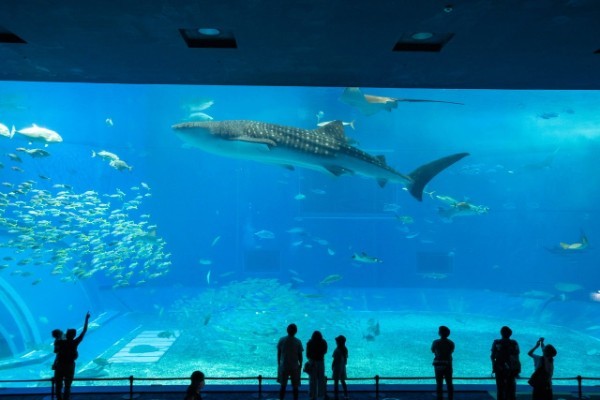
(194, 241)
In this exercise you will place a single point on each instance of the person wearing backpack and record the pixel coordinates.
(506, 365)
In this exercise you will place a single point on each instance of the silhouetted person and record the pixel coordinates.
(196, 385)
(64, 371)
(58, 335)
(316, 348)
(442, 349)
(338, 366)
(289, 361)
(544, 366)
(505, 364)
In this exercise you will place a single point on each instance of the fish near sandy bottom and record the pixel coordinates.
(325, 149)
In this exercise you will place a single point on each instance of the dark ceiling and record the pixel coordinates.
(504, 44)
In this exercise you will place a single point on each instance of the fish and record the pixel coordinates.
(331, 279)
(14, 157)
(34, 153)
(405, 219)
(548, 115)
(4, 131)
(264, 234)
(215, 241)
(200, 116)
(105, 155)
(201, 105)
(368, 104)
(120, 165)
(204, 261)
(300, 196)
(109, 122)
(459, 208)
(325, 149)
(365, 258)
(36, 133)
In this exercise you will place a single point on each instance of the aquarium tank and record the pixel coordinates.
(195, 223)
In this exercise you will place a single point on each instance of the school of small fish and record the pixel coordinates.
(77, 235)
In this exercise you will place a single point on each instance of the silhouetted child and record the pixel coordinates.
(196, 385)
(58, 335)
(443, 348)
(64, 371)
(338, 366)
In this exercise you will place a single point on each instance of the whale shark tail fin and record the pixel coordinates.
(422, 175)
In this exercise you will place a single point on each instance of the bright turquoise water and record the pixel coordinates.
(222, 253)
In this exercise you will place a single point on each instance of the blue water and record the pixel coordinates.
(532, 165)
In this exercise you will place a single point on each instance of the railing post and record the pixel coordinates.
(52, 388)
(376, 386)
(260, 379)
(579, 384)
(130, 387)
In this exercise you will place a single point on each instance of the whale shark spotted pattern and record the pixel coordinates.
(325, 149)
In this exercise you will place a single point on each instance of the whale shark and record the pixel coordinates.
(325, 149)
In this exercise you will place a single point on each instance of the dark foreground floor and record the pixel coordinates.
(388, 395)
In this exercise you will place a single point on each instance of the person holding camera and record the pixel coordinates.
(541, 379)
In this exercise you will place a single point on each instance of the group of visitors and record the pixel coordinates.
(289, 364)
(506, 365)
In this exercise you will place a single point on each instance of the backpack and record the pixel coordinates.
(507, 356)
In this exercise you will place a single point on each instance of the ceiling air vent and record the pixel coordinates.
(210, 38)
(7, 36)
(422, 41)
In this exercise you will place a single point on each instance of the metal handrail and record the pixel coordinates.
(260, 378)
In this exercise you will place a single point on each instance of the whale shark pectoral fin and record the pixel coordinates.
(336, 170)
(382, 182)
(422, 175)
(270, 143)
(289, 167)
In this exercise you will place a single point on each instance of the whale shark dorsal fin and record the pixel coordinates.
(334, 129)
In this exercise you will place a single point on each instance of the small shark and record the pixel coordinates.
(369, 104)
(325, 149)
(365, 258)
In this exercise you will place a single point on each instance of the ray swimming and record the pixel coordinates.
(325, 149)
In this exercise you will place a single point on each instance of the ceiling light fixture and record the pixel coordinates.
(422, 35)
(422, 41)
(209, 38)
(209, 31)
